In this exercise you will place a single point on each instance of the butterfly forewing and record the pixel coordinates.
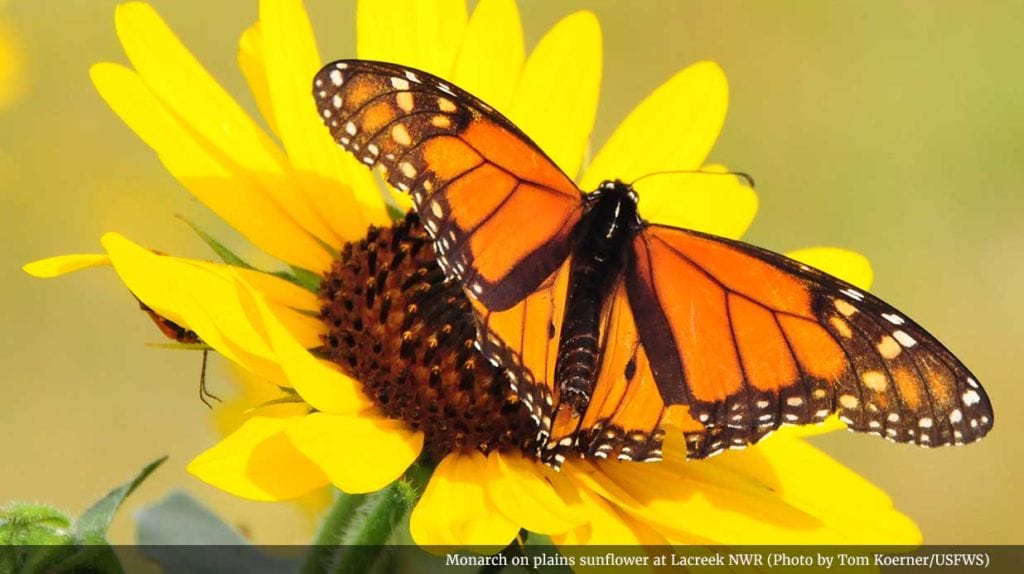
(472, 174)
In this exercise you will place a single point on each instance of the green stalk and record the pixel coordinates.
(325, 545)
(381, 513)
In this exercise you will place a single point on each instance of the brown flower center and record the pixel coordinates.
(396, 325)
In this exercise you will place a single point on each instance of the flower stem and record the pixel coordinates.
(382, 511)
(325, 545)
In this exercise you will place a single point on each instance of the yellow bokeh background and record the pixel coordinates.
(894, 128)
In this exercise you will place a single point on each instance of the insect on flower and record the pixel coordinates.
(610, 320)
(176, 332)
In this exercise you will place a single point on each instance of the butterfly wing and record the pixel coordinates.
(500, 212)
(750, 340)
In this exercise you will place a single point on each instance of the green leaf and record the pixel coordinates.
(183, 536)
(180, 519)
(225, 254)
(92, 526)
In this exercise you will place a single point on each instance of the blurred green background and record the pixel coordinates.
(892, 128)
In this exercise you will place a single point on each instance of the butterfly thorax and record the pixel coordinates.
(599, 250)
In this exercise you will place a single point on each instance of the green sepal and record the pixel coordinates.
(222, 251)
(306, 279)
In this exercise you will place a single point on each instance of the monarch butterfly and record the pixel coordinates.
(614, 327)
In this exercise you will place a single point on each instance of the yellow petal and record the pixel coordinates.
(556, 100)
(14, 81)
(250, 397)
(673, 128)
(257, 461)
(361, 453)
(323, 171)
(607, 526)
(277, 290)
(492, 53)
(524, 491)
(809, 480)
(424, 34)
(250, 61)
(64, 264)
(222, 185)
(723, 205)
(197, 298)
(770, 494)
(320, 383)
(847, 265)
(455, 509)
(186, 88)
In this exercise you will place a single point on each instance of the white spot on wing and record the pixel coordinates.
(893, 318)
(971, 397)
(904, 339)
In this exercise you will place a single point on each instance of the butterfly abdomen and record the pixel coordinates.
(600, 245)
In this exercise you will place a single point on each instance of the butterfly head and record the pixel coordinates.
(616, 202)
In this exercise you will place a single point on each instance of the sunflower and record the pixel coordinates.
(337, 336)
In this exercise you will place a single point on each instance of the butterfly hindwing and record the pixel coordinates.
(750, 339)
(472, 174)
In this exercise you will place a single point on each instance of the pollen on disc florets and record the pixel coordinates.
(396, 325)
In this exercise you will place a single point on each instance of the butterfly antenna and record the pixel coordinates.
(746, 177)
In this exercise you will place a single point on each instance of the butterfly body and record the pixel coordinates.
(600, 249)
(614, 328)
